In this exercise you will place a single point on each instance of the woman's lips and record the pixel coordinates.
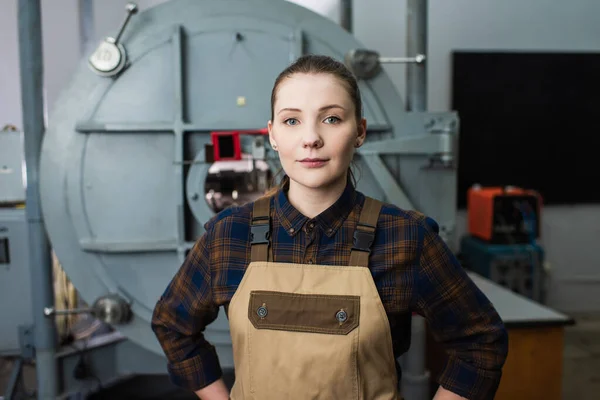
(313, 162)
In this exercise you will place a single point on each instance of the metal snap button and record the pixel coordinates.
(341, 316)
(262, 311)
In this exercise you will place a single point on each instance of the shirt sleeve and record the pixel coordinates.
(180, 317)
(461, 319)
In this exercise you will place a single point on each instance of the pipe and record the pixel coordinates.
(346, 15)
(32, 101)
(86, 26)
(416, 36)
(415, 377)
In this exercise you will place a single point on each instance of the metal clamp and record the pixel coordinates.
(366, 64)
(110, 57)
(111, 309)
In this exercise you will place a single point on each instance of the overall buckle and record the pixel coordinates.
(363, 240)
(260, 233)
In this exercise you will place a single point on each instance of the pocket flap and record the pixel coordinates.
(315, 313)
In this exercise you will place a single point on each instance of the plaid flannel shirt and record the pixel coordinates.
(413, 269)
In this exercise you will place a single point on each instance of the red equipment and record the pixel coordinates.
(505, 215)
(227, 146)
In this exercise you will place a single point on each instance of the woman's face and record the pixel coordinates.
(314, 129)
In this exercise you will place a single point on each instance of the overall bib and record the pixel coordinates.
(304, 331)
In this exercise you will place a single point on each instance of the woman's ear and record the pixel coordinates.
(361, 132)
(271, 139)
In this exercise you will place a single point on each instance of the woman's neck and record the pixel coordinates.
(312, 202)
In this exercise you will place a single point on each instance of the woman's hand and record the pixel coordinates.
(443, 394)
(215, 391)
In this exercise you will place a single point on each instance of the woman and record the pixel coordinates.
(319, 281)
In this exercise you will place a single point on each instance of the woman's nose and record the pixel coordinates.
(312, 139)
(312, 143)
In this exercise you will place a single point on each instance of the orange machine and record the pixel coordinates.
(504, 215)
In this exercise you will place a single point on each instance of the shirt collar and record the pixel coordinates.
(329, 220)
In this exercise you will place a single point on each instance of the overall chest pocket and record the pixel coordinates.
(304, 345)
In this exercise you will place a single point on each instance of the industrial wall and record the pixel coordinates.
(569, 232)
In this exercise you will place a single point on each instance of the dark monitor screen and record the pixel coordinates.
(529, 119)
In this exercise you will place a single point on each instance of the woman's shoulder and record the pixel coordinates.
(402, 217)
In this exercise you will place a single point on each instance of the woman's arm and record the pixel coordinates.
(179, 319)
(461, 319)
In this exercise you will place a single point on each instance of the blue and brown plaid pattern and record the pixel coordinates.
(412, 267)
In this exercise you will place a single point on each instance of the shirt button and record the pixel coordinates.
(310, 261)
(291, 230)
(329, 230)
(311, 225)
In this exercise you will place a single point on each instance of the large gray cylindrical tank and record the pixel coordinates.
(122, 167)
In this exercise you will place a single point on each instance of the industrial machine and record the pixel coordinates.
(501, 244)
(504, 215)
(125, 171)
(14, 243)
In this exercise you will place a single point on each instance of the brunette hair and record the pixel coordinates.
(319, 64)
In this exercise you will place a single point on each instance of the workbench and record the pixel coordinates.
(534, 366)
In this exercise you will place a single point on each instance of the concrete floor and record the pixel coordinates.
(581, 378)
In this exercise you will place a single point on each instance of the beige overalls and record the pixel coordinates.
(303, 331)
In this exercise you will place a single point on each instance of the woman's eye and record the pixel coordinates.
(332, 120)
(291, 121)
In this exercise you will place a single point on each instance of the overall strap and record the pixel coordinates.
(261, 230)
(364, 234)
